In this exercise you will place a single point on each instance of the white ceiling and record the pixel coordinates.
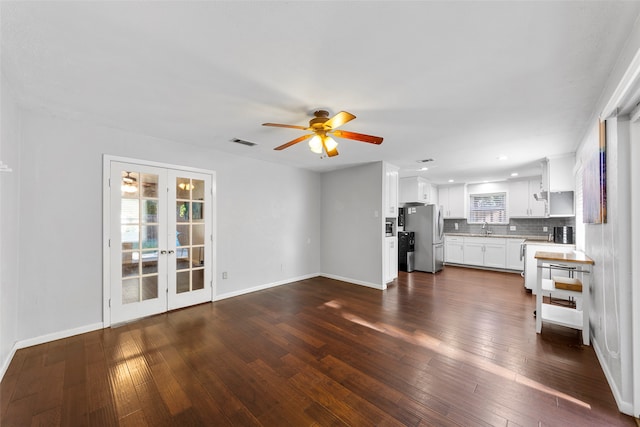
(459, 82)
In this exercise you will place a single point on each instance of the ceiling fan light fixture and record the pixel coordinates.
(315, 144)
(129, 184)
(330, 143)
(128, 188)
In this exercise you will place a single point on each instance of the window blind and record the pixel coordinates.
(489, 208)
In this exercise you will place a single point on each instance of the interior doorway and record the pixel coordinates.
(158, 226)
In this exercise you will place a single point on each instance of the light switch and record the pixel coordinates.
(512, 228)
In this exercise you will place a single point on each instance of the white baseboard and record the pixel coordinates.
(354, 281)
(44, 339)
(58, 335)
(624, 406)
(263, 287)
(7, 361)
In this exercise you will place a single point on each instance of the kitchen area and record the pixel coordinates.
(495, 225)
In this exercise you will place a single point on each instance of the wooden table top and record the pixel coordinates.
(575, 257)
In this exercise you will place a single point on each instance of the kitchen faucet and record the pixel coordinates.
(485, 228)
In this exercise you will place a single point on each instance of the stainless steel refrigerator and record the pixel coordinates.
(427, 224)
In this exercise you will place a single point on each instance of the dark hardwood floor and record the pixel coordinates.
(456, 348)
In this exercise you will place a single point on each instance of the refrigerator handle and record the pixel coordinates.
(522, 246)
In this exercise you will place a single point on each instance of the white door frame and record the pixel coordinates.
(635, 272)
(625, 97)
(106, 226)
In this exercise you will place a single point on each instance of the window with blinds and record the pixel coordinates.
(489, 208)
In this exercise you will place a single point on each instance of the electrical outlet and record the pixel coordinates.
(512, 228)
(545, 229)
(455, 225)
(224, 275)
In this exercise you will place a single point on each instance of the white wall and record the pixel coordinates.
(268, 223)
(9, 222)
(352, 234)
(610, 244)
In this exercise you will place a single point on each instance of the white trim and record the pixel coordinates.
(106, 234)
(624, 406)
(107, 159)
(45, 339)
(623, 93)
(59, 335)
(355, 281)
(7, 361)
(634, 156)
(265, 286)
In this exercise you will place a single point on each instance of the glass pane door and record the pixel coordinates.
(138, 218)
(190, 233)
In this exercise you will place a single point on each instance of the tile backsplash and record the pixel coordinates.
(524, 226)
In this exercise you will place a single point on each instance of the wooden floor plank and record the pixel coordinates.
(454, 348)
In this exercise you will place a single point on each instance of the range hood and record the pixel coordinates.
(542, 195)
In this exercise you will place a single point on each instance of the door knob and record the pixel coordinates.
(171, 251)
(163, 252)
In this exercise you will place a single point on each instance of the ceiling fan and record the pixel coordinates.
(322, 126)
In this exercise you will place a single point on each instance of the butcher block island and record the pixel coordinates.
(575, 287)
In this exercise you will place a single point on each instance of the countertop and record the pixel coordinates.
(535, 240)
(502, 236)
(574, 257)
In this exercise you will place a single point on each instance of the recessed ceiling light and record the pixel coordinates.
(423, 169)
(450, 180)
(485, 182)
(502, 157)
(514, 174)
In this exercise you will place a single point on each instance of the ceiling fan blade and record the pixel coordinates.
(332, 152)
(358, 136)
(285, 126)
(338, 120)
(295, 141)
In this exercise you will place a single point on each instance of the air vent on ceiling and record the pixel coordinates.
(425, 161)
(243, 142)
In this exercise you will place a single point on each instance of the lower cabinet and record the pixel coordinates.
(454, 249)
(491, 252)
(485, 251)
(515, 254)
(390, 263)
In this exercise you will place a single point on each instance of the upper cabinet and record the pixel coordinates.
(521, 202)
(390, 202)
(561, 185)
(453, 200)
(416, 189)
(560, 169)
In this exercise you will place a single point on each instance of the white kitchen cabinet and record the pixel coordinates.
(390, 202)
(531, 264)
(473, 252)
(454, 249)
(495, 254)
(521, 202)
(390, 264)
(485, 251)
(453, 201)
(415, 189)
(560, 169)
(561, 185)
(515, 254)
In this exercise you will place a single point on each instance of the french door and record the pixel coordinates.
(160, 239)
